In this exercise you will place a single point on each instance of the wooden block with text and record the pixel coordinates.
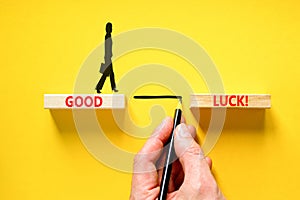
(84, 101)
(230, 101)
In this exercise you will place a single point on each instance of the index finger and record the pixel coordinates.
(145, 159)
(159, 137)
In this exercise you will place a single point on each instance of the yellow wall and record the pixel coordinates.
(255, 45)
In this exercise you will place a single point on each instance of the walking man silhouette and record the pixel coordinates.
(107, 58)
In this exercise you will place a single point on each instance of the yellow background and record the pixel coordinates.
(254, 44)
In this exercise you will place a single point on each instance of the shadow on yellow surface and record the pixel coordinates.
(236, 119)
(64, 120)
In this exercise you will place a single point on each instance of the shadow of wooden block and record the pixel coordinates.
(237, 119)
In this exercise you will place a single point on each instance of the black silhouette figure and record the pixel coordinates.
(107, 58)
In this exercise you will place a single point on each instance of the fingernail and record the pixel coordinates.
(183, 131)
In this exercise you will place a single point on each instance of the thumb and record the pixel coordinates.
(189, 152)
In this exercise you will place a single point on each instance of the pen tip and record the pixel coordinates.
(179, 104)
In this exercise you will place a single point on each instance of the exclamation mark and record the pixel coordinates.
(246, 104)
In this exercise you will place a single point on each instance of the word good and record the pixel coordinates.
(83, 101)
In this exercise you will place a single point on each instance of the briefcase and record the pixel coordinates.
(103, 67)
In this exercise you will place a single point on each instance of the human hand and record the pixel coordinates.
(191, 177)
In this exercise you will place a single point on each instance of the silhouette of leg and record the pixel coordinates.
(112, 79)
(101, 81)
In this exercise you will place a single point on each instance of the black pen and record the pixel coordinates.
(170, 157)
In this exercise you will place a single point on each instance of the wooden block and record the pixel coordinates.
(84, 101)
(230, 101)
